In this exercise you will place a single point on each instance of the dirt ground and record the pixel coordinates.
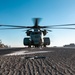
(58, 62)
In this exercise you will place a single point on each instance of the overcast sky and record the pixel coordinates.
(21, 12)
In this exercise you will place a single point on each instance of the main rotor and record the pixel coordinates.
(36, 26)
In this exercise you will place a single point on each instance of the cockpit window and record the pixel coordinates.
(33, 33)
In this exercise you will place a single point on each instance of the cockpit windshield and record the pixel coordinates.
(34, 33)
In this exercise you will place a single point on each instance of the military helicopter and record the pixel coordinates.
(36, 34)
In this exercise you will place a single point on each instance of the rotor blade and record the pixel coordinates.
(49, 30)
(15, 26)
(36, 20)
(27, 29)
(9, 28)
(64, 28)
(24, 30)
(52, 26)
(60, 25)
(43, 26)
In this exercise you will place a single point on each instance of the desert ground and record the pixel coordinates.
(37, 61)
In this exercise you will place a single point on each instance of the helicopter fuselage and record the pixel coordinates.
(36, 39)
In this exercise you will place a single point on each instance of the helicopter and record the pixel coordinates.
(36, 34)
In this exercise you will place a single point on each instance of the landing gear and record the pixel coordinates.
(29, 46)
(36, 46)
(44, 45)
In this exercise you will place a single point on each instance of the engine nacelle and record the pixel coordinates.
(46, 41)
(44, 32)
(28, 32)
(26, 41)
